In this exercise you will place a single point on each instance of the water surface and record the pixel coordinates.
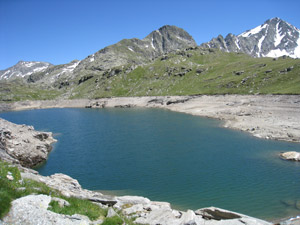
(189, 161)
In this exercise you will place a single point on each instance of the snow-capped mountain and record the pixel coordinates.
(22, 69)
(274, 38)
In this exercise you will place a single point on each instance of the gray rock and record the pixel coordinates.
(111, 212)
(61, 202)
(22, 144)
(293, 156)
(33, 208)
(9, 177)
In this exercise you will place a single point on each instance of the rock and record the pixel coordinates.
(156, 101)
(23, 145)
(297, 204)
(268, 71)
(238, 73)
(293, 156)
(216, 214)
(41, 136)
(84, 78)
(136, 208)
(288, 202)
(21, 189)
(9, 177)
(124, 106)
(111, 212)
(200, 71)
(61, 202)
(33, 208)
(132, 200)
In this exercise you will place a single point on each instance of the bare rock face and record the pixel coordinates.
(293, 156)
(24, 145)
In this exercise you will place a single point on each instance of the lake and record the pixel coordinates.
(189, 161)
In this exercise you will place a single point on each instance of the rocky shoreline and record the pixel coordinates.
(264, 116)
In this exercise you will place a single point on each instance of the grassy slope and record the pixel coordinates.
(161, 77)
(17, 188)
(219, 77)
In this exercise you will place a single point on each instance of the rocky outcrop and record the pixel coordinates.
(22, 144)
(70, 187)
(148, 212)
(143, 209)
(292, 156)
(33, 209)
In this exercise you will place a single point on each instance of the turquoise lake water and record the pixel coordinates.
(189, 161)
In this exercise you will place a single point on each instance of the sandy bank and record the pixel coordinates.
(264, 116)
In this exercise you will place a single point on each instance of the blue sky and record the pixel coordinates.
(59, 31)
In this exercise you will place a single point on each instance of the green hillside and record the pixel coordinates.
(186, 72)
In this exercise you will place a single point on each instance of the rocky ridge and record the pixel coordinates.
(274, 38)
(128, 51)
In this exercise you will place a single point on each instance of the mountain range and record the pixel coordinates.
(169, 45)
(274, 38)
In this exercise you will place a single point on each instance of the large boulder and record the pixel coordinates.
(24, 145)
(33, 209)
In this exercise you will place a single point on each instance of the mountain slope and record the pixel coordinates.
(136, 51)
(274, 38)
(22, 69)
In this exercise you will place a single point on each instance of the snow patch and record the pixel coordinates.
(180, 38)
(92, 59)
(278, 36)
(253, 31)
(4, 76)
(29, 64)
(39, 69)
(152, 45)
(130, 49)
(68, 69)
(277, 53)
(237, 44)
(259, 44)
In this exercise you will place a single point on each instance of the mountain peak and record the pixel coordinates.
(274, 38)
(169, 38)
(24, 68)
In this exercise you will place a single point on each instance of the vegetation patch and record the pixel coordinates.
(79, 206)
(13, 187)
